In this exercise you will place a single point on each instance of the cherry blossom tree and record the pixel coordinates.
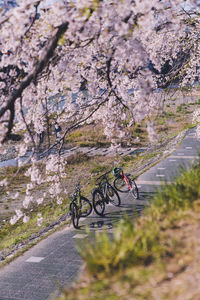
(113, 54)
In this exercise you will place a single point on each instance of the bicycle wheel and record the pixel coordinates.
(98, 202)
(120, 185)
(134, 188)
(74, 215)
(86, 207)
(112, 195)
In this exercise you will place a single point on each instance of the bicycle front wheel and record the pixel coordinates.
(120, 185)
(112, 195)
(86, 207)
(98, 202)
(74, 215)
(134, 188)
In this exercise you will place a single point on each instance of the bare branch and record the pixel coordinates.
(34, 18)
(24, 120)
(39, 67)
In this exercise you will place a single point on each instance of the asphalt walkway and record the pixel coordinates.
(40, 272)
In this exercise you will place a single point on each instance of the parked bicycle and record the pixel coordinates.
(124, 183)
(103, 194)
(79, 206)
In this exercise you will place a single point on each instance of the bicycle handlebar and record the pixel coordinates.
(77, 188)
(120, 167)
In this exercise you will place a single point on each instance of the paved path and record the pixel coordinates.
(54, 262)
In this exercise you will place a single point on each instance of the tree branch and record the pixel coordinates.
(39, 67)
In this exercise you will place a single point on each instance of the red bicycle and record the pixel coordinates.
(124, 183)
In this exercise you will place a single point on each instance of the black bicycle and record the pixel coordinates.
(124, 183)
(79, 206)
(103, 194)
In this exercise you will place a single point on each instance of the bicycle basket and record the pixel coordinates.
(116, 171)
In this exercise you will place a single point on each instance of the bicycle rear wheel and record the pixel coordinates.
(98, 202)
(134, 188)
(75, 215)
(112, 195)
(86, 207)
(120, 184)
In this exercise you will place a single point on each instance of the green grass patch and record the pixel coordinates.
(19, 232)
(88, 136)
(179, 108)
(170, 114)
(15, 176)
(98, 169)
(129, 158)
(189, 126)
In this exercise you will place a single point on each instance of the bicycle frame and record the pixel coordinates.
(127, 180)
(105, 188)
(77, 195)
(103, 184)
(104, 194)
(79, 206)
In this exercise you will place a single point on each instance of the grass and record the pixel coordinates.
(180, 107)
(98, 169)
(88, 136)
(142, 250)
(138, 131)
(170, 114)
(174, 119)
(13, 234)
